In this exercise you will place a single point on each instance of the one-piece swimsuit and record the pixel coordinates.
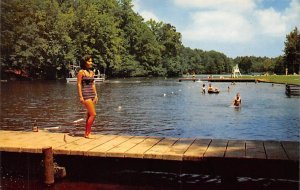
(87, 87)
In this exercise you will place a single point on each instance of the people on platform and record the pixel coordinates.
(87, 92)
(237, 100)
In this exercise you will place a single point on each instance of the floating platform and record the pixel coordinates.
(218, 79)
(229, 79)
(275, 159)
(194, 79)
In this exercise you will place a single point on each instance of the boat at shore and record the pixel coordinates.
(72, 75)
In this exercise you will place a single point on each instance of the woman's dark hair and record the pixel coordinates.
(84, 59)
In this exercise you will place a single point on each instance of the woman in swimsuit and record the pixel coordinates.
(87, 92)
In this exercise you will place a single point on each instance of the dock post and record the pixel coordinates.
(48, 166)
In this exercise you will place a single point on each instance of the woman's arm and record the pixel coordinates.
(95, 91)
(79, 85)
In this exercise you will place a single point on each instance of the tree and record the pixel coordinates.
(245, 64)
(279, 65)
(292, 51)
(269, 65)
(96, 32)
(43, 37)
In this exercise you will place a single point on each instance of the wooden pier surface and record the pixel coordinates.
(271, 157)
(229, 79)
(147, 147)
(194, 79)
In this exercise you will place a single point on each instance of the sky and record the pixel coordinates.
(233, 27)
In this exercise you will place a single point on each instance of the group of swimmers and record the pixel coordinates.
(237, 99)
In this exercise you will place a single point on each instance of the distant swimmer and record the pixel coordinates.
(203, 89)
(237, 100)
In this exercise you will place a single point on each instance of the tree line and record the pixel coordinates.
(43, 38)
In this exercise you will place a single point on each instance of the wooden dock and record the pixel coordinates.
(229, 79)
(214, 156)
(194, 79)
(292, 90)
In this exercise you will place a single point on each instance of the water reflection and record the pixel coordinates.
(155, 107)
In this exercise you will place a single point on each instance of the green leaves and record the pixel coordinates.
(40, 36)
(292, 51)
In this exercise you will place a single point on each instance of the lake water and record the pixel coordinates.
(155, 107)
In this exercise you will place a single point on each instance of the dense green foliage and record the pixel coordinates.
(251, 64)
(292, 51)
(42, 38)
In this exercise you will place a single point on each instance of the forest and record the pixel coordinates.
(42, 39)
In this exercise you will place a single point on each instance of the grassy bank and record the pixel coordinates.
(282, 79)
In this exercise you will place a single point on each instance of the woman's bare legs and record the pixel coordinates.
(91, 114)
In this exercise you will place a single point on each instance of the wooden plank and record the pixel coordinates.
(157, 151)
(102, 149)
(177, 150)
(139, 150)
(119, 150)
(216, 149)
(13, 141)
(255, 150)
(41, 140)
(197, 149)
(147, 147)
(291, 149)
(68, 148)
(235, 149)
(274, 150)
(48, 139)
(16, 137)
(7, 134)
(99, 140)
